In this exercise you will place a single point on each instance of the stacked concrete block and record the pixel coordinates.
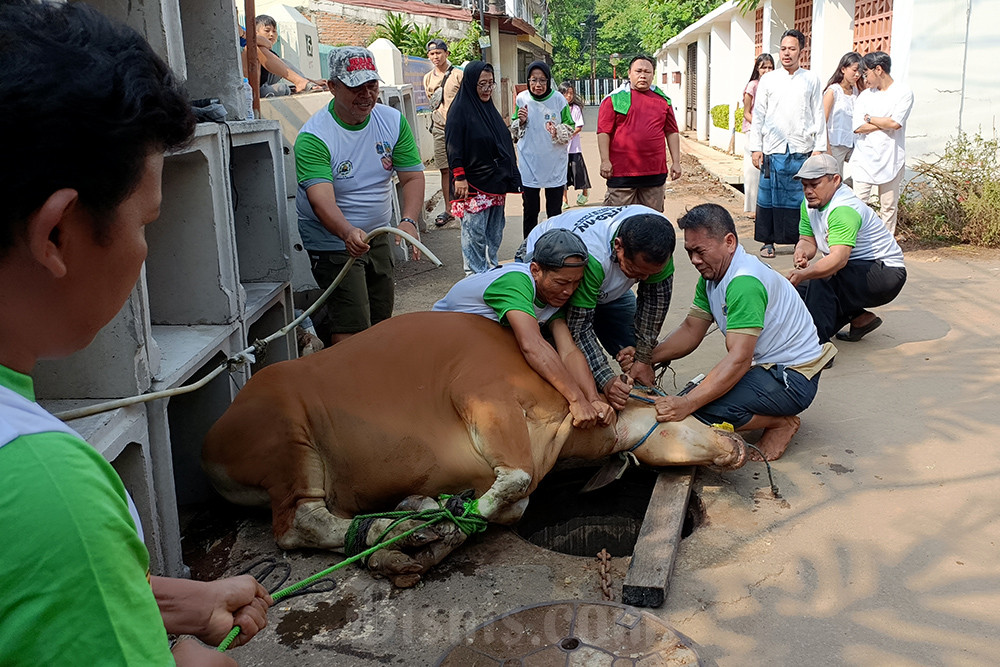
(217, 277)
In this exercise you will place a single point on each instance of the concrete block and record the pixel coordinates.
(212, 51)
(191, 267)
(388, 61)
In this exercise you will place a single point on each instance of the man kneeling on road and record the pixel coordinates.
(627, 245)
(771, 370)
(528, 296)
(862, 265)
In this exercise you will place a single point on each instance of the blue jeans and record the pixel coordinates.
(614, 323)
(777, 392)
(481, 236)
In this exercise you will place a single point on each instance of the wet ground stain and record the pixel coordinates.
(298, 625)
(839, 469)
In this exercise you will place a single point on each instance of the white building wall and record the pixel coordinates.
(741, 48)
(722, 81)
(680, 102)
(832, 35)
(930, 43)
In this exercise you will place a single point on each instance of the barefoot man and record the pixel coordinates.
(771, 370)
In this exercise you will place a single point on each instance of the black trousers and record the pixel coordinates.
(532, 205)
(836, 300)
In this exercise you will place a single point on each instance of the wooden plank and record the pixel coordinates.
(656, 548)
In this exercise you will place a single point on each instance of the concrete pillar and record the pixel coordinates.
(680, 102)
(388, 61)
(832, 34)
(722, 81)
(704, 117)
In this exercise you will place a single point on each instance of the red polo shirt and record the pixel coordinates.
(638, 138)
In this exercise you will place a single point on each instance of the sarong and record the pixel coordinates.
(779, 198)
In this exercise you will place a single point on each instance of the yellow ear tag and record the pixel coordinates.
(724, 426)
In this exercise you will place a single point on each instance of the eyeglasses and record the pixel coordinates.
(540, 82)
(486, 86)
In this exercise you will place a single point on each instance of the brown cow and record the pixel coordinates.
(419, 405)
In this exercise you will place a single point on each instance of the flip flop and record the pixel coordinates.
(767, 251)
(442, 220)
(854, 334)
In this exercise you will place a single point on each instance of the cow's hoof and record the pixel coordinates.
(404, 580)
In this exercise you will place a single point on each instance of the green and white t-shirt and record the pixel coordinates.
(754, 298)
(846, 220)
(495, 293)
(543, 163)
(359, 161)
(75, 570)
(603, 280)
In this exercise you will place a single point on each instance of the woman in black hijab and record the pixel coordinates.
(483, 166)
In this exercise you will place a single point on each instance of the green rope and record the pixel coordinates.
(466, 517)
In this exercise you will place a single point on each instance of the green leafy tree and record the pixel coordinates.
(467, 48)
(408, 37)
(582, 29)
(394, 28)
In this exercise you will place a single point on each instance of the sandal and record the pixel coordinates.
(767, 251)
(854, 334)
(442, 220)
(581, 199)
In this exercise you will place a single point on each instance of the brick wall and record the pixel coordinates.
(337, 31)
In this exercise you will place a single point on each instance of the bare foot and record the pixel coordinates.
(775, 439)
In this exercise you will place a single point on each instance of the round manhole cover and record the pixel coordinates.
(573, 634)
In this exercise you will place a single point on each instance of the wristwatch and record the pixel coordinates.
(868, 118)
(409, 220)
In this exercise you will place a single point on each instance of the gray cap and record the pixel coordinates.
(816, 166)
(556, 246)
(353, 66)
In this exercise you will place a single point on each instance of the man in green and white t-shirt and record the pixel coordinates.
(345, 156)
(526, 297)
(773, 358)
(627, 245)
(862, 265)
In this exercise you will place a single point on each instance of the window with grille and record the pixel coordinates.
(758, 35)
(872, 25)
(803, 23)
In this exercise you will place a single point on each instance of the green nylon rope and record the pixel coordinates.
(469, 522)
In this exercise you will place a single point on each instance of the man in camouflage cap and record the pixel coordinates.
(345, 156)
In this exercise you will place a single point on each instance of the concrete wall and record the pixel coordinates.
(929, 46)
(342, 24)
(298, 38)
(832, 35)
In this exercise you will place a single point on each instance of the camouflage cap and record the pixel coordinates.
(353, 66)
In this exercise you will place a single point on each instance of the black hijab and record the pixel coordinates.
(478, 140)
(538, 64)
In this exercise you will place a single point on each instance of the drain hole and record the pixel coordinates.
(560, 518)
(569, 644)
(695, 516)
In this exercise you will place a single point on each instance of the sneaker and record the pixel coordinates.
(581, 199)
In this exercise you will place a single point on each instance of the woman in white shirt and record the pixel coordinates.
(838, 106)
(751, 175)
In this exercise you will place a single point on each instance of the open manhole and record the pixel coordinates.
(573, 634)
(560, 518)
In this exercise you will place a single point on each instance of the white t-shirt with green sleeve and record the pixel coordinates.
(358, 160)
(754, 298)
(75, 570)
(543, 162)
(496, 292)
(846, 220)
(603, 280)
